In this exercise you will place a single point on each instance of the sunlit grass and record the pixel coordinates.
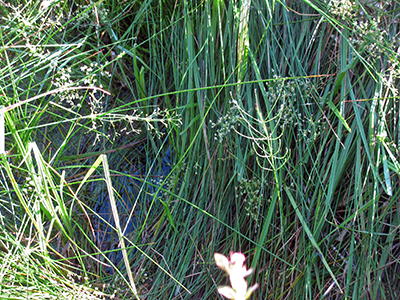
(140, 138)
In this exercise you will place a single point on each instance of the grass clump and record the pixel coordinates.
(143, 137)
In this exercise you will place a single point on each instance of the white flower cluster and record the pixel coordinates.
(30, 31)
(249, 191)
(34, 25)
(156, 122)
(282, 96)
(158, 116)
(96, 102)
(227, 122)
(392, 77)
(63, 79)
(38, 52)
(344, 9)
(288, 99)
(368, 23)
(369, 36)
(93, 73)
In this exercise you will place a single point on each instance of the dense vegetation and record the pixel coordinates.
(141, 137)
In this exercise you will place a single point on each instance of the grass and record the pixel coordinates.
(142, 137)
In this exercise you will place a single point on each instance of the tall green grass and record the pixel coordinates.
(281, 119)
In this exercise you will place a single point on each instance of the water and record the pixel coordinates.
(129, 192)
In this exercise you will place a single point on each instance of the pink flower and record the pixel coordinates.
(237, 272)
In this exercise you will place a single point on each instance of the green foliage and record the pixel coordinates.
(282, 123)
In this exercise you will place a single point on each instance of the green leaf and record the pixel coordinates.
(339, 115)
(311, 237)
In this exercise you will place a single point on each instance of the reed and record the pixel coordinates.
(142, 137)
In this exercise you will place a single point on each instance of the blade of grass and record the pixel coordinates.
(311, 237)
(114, 208)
